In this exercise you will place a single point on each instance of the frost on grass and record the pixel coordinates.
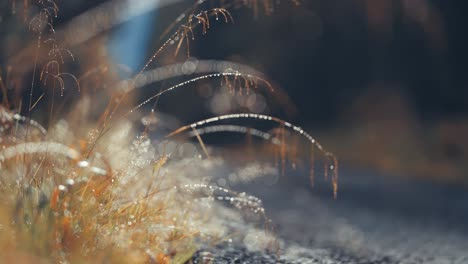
(96, 186)
(124, 198)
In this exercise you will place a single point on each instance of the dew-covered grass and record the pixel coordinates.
(88, 173)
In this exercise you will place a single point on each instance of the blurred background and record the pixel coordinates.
(382, 82)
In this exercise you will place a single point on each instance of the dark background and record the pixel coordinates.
(381, 83)
(326, 54)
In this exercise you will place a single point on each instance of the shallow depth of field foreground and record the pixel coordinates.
(233, 131)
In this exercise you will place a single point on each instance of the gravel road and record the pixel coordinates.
(376, 219)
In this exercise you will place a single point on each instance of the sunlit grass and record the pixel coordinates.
(92, 185)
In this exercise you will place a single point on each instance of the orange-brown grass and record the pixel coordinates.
(63, 207)
(92, 186)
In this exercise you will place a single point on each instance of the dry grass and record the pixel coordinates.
(91, 186)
